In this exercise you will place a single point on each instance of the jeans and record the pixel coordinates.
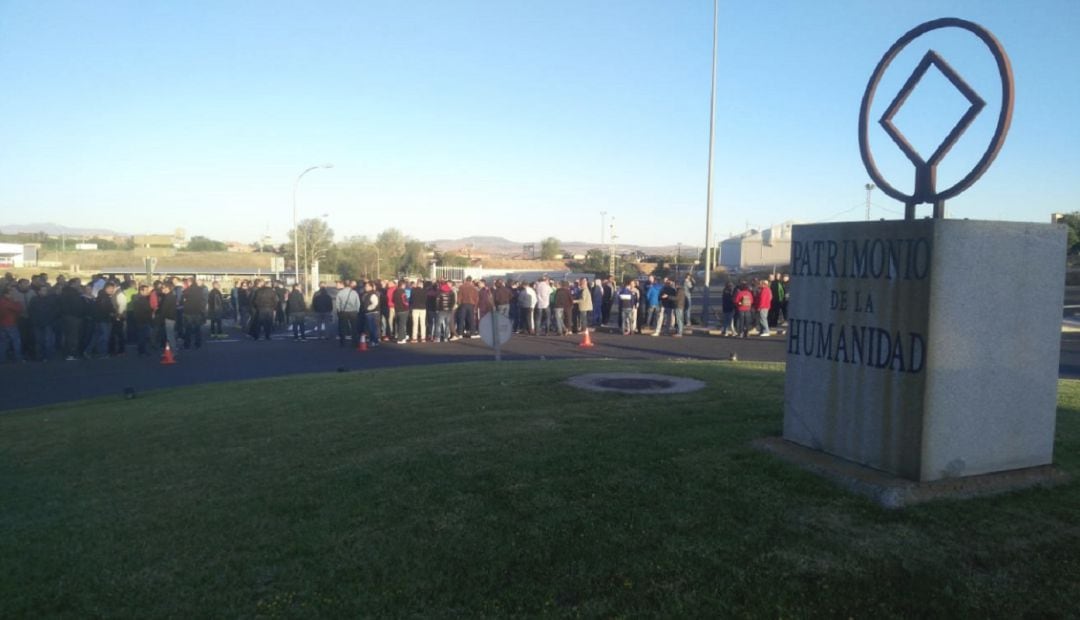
(654, 318)
(442, 326)
(215, 324)
(298, 326)
(627, 320)
(170, 333)
(763, 321)
(742, 322)
(322, 319)
(99, 343)
(728, 325)
(371, 322)
(560, 326)
(686, 310)
(680, 320)
(45, 340)
(72, 335)
(401, 325)
(503, 309)
(142, 337)
(467, 320)
(193, 330)
(543, 319)
(346, 324)
(10, 334)
(118, 338)
(264, 321)
(525, 320)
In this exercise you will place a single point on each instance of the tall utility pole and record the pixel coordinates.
(603, 226)
(709, 181)
(869, 188)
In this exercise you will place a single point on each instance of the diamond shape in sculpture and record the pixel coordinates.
(977, 104)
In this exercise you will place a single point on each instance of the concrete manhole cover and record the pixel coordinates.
(635, 383)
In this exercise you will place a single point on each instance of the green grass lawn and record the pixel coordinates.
(475, 490)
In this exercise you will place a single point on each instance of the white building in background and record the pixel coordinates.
(12, 255)
(756, 249)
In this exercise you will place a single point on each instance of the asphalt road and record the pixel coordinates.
(57, 381)
(237, 358)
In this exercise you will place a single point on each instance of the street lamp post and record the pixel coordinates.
(296, 231)
(869, 188)
(709, 182)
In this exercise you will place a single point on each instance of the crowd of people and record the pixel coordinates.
(42, 320)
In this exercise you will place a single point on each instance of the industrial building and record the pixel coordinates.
(756, 249)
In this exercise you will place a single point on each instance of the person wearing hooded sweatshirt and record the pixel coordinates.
(764, 304)
(744, 302)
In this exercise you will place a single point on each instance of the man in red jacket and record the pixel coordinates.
(764, 302)
(10, 311)
(744, 300)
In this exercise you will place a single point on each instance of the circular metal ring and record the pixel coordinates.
(1004, 117)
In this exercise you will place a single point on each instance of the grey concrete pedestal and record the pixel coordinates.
(926, 349)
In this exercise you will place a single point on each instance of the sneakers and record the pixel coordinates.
(765, 334)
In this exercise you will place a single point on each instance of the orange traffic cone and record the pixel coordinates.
(586, 341)
(363, 344)
(166, 356)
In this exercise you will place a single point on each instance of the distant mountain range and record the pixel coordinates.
(479, 244)
(500, 246)
(56, 230)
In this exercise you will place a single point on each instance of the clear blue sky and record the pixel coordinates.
(519, 119)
